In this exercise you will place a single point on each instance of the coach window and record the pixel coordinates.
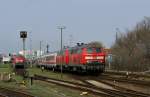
(47, 58)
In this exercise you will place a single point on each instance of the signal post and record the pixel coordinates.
(23, 35)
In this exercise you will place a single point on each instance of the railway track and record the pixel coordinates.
(125, 90)
(90, 88)
(1, 95)
(134, 75)
(5, 92)
(125, 80)
(71, 85)
(128, 91)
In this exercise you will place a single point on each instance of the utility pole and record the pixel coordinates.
(24, 46)
(70, 40)
(40, 48)
(117, 34)
(30, 44)
(40, 52)
(61, 28)
(47, 48)
(117, 30)
(31, 52)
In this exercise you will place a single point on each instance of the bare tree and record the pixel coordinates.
(132, 50)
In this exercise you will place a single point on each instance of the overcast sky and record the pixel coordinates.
(85, 21)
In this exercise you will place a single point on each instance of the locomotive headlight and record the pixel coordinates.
(88, 57)
(100, 57)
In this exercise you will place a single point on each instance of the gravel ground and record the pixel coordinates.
(100, 84)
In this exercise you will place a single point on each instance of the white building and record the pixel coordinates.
(6, 59)
(31, 54)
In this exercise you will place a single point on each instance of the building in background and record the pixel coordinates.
(32, 54)
(109, 59)
(4, 58)
(1, 57)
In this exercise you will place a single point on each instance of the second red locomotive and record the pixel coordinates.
(19, 64)
(83, 58)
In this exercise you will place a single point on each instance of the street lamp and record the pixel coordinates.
(40, 48)
(31, 55)
(47, 48)
(40, 53)
(61, 28)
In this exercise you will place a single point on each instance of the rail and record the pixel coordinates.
(6, 92)
(91, 89)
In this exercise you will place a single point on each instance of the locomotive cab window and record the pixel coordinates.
(90, 50)
(93, 50)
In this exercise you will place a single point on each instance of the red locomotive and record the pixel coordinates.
(18, 63)
(83, 58)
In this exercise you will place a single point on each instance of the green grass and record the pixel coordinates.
(52, 90)
(39, 88)
(5, 68)
(2, 70)
(56, 75)
(5, 65)
(42, 89)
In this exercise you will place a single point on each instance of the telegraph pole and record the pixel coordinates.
(47, 48)
(30, 44)
(40, 48)
(61, 28)
(40, 52)
(70, 40)
(117, 34)
(24, 46)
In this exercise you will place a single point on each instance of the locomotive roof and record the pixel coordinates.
(18, 56)
(71, 48)
(83, 46)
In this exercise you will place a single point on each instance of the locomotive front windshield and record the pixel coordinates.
(93, 50)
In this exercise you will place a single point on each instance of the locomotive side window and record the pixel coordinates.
(90, 50)
(50, 58)
(69, 51)
(73, 51)
(63, 52)
(79, 50)
(98, 50)
(59, 52)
